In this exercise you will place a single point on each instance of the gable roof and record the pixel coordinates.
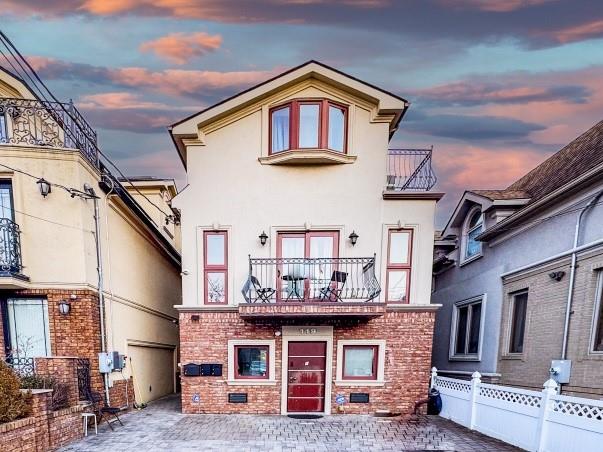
(506, 194)
(388, 102)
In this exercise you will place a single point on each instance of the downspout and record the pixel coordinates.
(101, 295)
(572, 276)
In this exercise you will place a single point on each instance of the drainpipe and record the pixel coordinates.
(101, 295)
(572, 276)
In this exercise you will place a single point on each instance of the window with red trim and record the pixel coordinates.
(252, 361)
(360, 362)
(399, 255)
(308, 124)
(215, 266)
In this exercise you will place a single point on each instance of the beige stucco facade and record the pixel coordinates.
(58, 251)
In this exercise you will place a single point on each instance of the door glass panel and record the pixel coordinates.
(215, 249)
(336, 128)
(28, 327)
(216, 287)
(308, 125)
(398, 248)
(396, 286)
(320, 272)
(280, 129)
(292, 273)
(6, 201)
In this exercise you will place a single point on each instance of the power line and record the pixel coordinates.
(9, 45)
(45, 219)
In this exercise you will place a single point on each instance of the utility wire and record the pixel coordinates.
(2, 206)
(9, 45)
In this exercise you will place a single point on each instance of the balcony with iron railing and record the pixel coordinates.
(10, 250)
(311, 287)
(410, 170)
(30, 122)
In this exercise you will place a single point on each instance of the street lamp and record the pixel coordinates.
(263, 238)
(353, 238)
(64, 307)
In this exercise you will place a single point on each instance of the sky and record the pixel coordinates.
(496, 86)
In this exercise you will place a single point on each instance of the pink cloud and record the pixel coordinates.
(179, 48)
(498, 6)
(118, 100)
(588, 30)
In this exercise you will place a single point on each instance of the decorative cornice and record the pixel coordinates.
(413, 195)
(305, 157)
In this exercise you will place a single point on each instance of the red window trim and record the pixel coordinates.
(375, 362)
(223, 268)
(251, 377)
(323, 124)
(406, 267)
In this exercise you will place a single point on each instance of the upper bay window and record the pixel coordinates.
(308, 124)
(472, 228)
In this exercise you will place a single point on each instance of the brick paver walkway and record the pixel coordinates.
(161, 427)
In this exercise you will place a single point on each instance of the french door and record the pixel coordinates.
(301, 279)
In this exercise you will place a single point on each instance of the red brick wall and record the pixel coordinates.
(18, 435)
(408, 338)
(117, 393)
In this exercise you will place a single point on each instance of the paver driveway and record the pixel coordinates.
(161, 427)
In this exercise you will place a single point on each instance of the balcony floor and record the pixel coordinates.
(366, 310)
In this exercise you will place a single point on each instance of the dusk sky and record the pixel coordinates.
(495, 86)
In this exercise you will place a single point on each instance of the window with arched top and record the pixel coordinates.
(474, 225)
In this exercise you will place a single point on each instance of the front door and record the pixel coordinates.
(306, 377)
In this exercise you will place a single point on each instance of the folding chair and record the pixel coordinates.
(101, 410)
(333, 291)
(264, 293)
(370, 282)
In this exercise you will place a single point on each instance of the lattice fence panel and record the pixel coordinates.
(453, 385)
(578, 409)
(510, 396)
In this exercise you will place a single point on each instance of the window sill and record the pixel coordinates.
(307, 157)
(251, 382)
(353, 383)
(470, 259)
(517, 357)
(463, 358)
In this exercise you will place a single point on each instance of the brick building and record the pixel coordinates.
(518, 272)
(50, 303)
(307, 250)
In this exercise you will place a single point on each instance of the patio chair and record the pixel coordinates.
(101, 410)
(332, 292)
(370, 282)
(264, 293)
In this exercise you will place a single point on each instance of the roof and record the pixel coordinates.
(496, 195)
(579, 156)
(387, 101)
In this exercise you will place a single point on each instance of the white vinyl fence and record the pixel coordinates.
(542, 421)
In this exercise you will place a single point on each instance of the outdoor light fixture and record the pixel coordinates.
(263, 238)
(44, 187)
(353, 238)
(557, 276)
(64, 307)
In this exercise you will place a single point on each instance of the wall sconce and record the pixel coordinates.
(263, 238)
(557, 276)
(44, 186)
(64, 307)
(353, 238)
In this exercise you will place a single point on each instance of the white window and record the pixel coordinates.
(597, 333)
(28, 327)
(473, 226)
(251, 362)
(466, 329)
(519, 309)
(360, 362)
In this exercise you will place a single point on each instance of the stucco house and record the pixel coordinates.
(519, 274)
(51, 304)
(307, 249)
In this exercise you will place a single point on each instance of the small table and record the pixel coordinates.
(85, 417)
(295, 280)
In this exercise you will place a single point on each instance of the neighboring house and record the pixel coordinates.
(48, 256)
(307, 251)
(504, 273)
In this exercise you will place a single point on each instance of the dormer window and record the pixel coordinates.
(308, 124)
(473, 227)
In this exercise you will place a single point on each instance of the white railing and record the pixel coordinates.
(533, 420)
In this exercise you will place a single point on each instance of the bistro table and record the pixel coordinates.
(295, 280)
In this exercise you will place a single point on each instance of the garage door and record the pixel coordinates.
(153, 370)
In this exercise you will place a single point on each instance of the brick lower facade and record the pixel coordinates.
(407, 334)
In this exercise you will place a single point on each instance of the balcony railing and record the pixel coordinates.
(319, 280)
(10, 248)
(410, 169)
(38, 123)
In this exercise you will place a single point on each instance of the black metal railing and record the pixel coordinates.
(410, 169)
(83, 377)
(10, 248)
(348, 279)
(22, 366)
(38, 123)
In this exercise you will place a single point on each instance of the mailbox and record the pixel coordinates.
(191, 370)
(216, 370)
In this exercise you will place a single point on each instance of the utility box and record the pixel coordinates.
(119, 361)
(105, 363)
(561, 370)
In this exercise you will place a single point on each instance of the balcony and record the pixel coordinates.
(27, 122)
(311, 287)
(410, 170)
(10, 254)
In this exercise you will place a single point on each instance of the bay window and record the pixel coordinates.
(308, 124)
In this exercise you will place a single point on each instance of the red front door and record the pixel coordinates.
(306, 377)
